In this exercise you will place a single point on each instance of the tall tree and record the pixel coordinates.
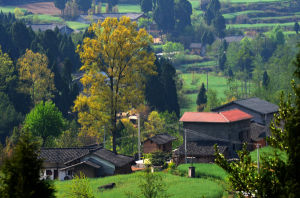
(161, 92)
(164, 15)
(201, 98)
(114, 77)
(183, 11)
(37, 79)
(296, 27)
(84, 5)
(44, 121)
(146, 6)
(266, 79)
(7, 72)
(60, 4)
(22, 171)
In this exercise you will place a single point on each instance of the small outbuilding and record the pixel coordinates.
(160, 142)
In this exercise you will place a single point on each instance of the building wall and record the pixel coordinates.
(124, 169)
(106, 169)
(226, 133)
(150, 147)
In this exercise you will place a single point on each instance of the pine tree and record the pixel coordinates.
(201, 98)
(266, 79)
(296, 27)
(21, 172)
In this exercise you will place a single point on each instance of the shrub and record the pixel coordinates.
(80, 187)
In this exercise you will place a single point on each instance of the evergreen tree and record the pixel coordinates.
(164, 15)
(84, 5)
(60, 4)
(161, 92)
(183, 11)
(21, 172)
(296, 27)
(146, 6)
(266, 79)
(201, 98)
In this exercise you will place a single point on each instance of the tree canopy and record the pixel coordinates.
(44, 120)
(114, 77)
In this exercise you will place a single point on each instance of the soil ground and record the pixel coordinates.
(41, 8)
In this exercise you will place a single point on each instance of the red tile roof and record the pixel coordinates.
(215, 117)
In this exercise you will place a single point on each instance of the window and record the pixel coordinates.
(48, 172)
(69, 172)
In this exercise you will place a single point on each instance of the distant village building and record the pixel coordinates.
(95, 17)
(204, 129)
(64, 29)
(160, 142)
(261, 110)
(197, 48)
(95, 161)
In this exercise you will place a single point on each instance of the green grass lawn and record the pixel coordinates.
(125, 8)
(7, 9)
(204, 170)
(217, 83)
(178, 187)
(76, 25)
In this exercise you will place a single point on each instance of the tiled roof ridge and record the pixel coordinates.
(224, 117)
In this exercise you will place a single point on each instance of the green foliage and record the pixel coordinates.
(80, 187)
(152, 185)
(296, 27)
(202, 97)
(159, 158)
(9, 118)
(84, 5)
(21, 172)
(44, 121)
(172, 47)
(212, 100)
(183, 11)
(60, 4)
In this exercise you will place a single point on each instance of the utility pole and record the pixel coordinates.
(139, 137)
(206, 80)
(257, 146)
(185, 157)
(104, 138)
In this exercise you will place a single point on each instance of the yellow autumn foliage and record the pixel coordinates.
(37, 79)
(115, 62)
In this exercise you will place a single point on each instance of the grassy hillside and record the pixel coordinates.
(178, 187)
(217, 83)
(267, 151)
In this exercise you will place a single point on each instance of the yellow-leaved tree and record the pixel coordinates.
(37, 79)
(115, 61)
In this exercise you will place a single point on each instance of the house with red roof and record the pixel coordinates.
(228, 129)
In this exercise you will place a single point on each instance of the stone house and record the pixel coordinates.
(64, 163)
(160, 142)
(261, 110)
(204, 129)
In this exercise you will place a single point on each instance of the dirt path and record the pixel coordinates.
(41, 8)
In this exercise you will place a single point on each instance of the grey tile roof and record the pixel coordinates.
(200, 149)
(255, 104)
(116, 159)
(162, 138)
(89, 163)
(62, 155)
(68, 155)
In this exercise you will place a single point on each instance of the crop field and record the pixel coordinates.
(76, 25)
(7, 9)
(267, 151)
(177, 187)
(234, 14)
(259, 25)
